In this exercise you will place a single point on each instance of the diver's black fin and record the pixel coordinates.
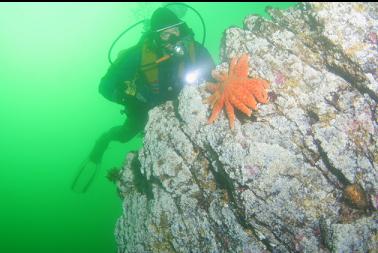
(87, 172)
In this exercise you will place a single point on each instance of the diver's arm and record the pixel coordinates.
(112, 85)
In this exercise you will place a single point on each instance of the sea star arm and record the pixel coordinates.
(219, 76)
(242, 68)
(212, 87)
(216, 109)
(240, 105)
(230, 113)
(258, 88)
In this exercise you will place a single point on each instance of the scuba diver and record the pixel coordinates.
(146, 75)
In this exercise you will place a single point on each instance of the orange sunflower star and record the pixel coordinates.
(236, 90)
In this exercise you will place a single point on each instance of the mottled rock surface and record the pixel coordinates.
(300, 175)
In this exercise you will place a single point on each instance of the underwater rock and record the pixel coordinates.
(356, 236)
(299, 175)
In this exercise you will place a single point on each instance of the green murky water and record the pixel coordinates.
(52, 56)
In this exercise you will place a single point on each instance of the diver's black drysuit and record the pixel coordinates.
(145, 94)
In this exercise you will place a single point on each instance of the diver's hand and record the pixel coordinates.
(130, 88)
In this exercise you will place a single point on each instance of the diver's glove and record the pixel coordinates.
(132, 90)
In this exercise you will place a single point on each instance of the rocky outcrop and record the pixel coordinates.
(300, 175)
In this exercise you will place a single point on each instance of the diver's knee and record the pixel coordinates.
(123, 138)
(127, 135)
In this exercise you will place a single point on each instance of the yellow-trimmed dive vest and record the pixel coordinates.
(151, 72)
